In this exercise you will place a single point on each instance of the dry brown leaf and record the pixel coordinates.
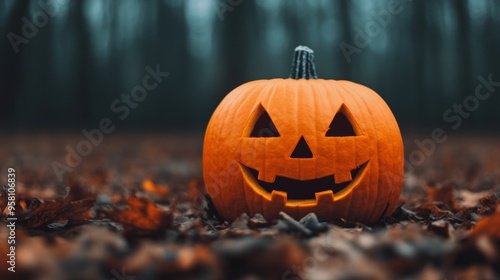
(141, 217)
(443, 194)
(482, 245)
(488, 204)
(38, 212)
(471, 199)
(427, 211)
(160, 190)
(489, 226)
(56, 210)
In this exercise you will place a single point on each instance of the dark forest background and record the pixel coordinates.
(427, 57)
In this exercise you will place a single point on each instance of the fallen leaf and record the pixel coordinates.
(488, 204)
(37, 213)
(489, 226)
(141, 216)
(426, 211)
(443, 194)
(161, 191)
(471, 199)
(483, 244)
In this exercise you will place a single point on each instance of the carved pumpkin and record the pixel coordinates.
(302, 145)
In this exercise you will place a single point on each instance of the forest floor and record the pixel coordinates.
(132, 209)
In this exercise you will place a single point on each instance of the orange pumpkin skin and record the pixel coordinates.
(249, 173)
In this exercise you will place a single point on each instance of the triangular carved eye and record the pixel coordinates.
(263, 126)
(341, 125)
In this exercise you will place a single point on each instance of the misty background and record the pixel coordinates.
(426, 58)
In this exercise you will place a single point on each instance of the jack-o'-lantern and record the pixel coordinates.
(302, 145)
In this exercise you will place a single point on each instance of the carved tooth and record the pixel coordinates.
(342, 177)
(266, 177)
(324, 197)
(278, 197)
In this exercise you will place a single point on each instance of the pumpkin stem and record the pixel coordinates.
(303, 64)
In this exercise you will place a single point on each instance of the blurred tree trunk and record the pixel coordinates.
(418, 28)
(237, 46)
(83, 63)
(347, 36)
(463, 44)
(490, 38)
(171, 38)
(11, 75)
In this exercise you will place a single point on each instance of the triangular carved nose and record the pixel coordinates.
(302, 150)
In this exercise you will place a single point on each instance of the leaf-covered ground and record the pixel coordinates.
(134, 209)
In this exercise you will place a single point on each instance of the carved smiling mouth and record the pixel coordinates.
(305, 189)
